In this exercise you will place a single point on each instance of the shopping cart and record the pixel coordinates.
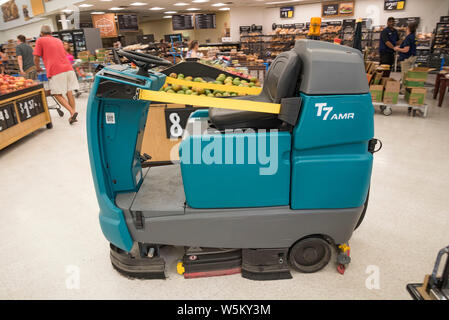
(42, 77)
(85, 77)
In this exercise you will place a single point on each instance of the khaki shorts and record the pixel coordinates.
(63, 82)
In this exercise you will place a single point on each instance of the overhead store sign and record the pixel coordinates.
(127, 22)
(106, 24)
(287, 12)
(394, 5)
(337, 9)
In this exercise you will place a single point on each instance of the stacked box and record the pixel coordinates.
(378, 77)
(391, 93)
(415, 96)
(416, 77)
(376, 91)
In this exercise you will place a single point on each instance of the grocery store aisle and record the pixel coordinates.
(49, 230)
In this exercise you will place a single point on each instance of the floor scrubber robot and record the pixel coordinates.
(233, 210)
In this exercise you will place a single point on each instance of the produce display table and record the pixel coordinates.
(387, 108)
(22, 112)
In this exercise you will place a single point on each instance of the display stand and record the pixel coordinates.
(387, 108)
(22, 112)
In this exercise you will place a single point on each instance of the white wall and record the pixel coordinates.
(28, 30)
(429, 11)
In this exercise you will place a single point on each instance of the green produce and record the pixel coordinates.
(189, 78)
(198, 79)
(188, 91)
(180, 92)
(221, 77)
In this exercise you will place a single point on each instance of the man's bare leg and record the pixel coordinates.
(71, 99)
(64, 103)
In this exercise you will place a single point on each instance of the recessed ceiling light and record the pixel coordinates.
(138, 4)
(169, 12)
(115, 8)
(218, 4)
(85, 5)
(156, 8)
(224, 9)
(97, 12)
(200, 1)
(166, 17)
(181, 4)
(192, 9)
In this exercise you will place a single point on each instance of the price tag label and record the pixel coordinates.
(30, 106)
(176, 120)
(8, 116)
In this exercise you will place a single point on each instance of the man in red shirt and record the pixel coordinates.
(62, 77)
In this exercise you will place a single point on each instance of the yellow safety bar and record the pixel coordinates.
(201, 101)
(214, 86)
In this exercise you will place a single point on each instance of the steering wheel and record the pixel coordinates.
(143, 61)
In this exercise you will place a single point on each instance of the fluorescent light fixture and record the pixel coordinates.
(180, 4)
(115, 8)
(193, 9)
(138, 4)
(65, 20)
(279, 2)
(156, 8)
(224, 9)
(218, 4)
(85, 5)
(166, 17)
(67, 10)
(200, 1)
(98, 12)
(170, 12)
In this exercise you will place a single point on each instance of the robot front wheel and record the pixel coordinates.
(309, 255)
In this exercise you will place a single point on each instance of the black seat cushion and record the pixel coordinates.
(280, 82)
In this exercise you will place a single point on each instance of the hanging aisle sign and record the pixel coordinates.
(287, 12)
(106, 24)
(390, 5)
(337, 9)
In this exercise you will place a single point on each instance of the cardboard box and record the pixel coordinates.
(414, 83)
(378, 77)
(419, 73)
(385, 80)
(376, 91)
(415, 96)
(391, 93)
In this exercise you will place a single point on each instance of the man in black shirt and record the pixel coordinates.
(25, 58)
(388, 39)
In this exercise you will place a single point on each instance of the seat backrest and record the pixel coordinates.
(282, 77)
